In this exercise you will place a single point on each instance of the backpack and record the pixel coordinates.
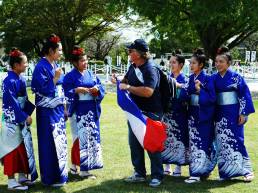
(167, 89)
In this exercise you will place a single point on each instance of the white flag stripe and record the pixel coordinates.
(138, 127)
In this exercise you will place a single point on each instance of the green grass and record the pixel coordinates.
(117, 163)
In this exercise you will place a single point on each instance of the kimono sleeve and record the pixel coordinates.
(11, 104)
(244, 97)
(207, 93)
(183, 93)
(69, 88)
(42, 82)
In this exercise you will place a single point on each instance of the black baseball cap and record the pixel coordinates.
(139, 44)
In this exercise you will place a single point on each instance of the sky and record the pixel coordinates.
(130, 32)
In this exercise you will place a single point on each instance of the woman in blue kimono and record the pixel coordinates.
(49, 99)
(177, 143)
(84, 93)
(234, 104)
(14, 149)
(202, 97)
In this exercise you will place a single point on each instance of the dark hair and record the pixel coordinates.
(76, 54)
(200, 57)
(16, 56)
(50, 43)
(224, 51)
(179, 57)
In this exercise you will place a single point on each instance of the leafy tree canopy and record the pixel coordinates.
(25, 23)
(213, 23)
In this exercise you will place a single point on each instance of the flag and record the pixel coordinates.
(150, 134)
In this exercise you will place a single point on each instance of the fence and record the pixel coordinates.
(104, 71)
(250, 72)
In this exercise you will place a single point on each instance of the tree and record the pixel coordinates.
(251, 43)
(226, 22)
(26, 22)
(100, 45)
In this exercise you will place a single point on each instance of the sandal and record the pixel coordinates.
(73, 171)
(26, 182)
(167, 172)
(176, 174)
(18, 187)
(249, 177)
(192, 180)
(87, 175)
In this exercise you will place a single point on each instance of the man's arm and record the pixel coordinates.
(141, 91)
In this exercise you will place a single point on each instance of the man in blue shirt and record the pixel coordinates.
(142, 82)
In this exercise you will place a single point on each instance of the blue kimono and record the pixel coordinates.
(84, 110)
(200, 124)
(14, 130)
(233, 99)
(52, 142)
(177, 143)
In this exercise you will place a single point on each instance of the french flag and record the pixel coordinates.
(150, 134)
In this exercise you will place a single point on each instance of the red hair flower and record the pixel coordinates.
(78, 51)
(15, 53)
(54, 39)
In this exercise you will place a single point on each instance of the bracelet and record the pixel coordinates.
(127, 87)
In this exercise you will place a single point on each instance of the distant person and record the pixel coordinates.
(177, 144)
(49, 98)
(12, 146)
(162, 63)
(84, 93)
(234, 104)
(142, 82)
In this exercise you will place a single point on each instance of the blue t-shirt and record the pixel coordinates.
(146, 75)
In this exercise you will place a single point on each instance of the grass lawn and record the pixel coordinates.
(117, 163)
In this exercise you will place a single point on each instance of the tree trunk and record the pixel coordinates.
(68, 42)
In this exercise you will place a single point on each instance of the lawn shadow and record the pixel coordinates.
(170, 184)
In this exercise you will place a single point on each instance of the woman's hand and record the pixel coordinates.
(113, 79)
(58, 73)
(241, 119)
(197, 85)
(82, 90)
(94, 90)
(178, 85)
(29, 120)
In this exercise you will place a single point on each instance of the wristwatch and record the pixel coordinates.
(127, 87)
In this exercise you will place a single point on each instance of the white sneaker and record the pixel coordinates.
(192, 180)
(14, 185)
(155, 182)
(135, 178)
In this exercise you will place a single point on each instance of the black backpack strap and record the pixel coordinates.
(172, 86)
